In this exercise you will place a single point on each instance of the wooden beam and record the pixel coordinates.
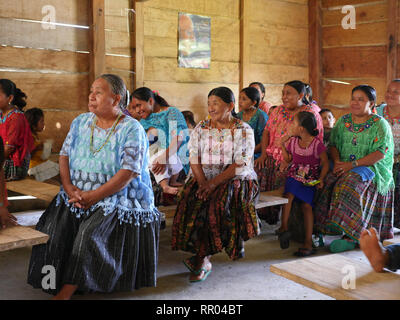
(244, 75)
(139, 38)
(315, 49)
(392, 40)
(97, 39)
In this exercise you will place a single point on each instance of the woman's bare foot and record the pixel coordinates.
(373, 250)
(66, 292)
(167, 188)
(205, 266)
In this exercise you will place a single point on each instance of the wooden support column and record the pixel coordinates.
(139, 46)
(244, 43)
(392, 38)
(315, 49)
(97, 39)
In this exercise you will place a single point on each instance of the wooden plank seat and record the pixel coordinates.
(19, 236)
(31, 187)
(327, 274)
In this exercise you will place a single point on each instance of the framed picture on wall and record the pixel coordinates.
(194, 41)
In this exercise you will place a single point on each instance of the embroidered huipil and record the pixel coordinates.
(219, 148)
(395, 125)
(355, 141)
(127, 149)
(170, 123)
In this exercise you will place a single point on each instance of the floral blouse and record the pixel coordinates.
(219, 148)
(127, 148)
(395, 125)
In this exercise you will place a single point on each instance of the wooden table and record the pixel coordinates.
(40, 190)
(18, 237)
(326, 273)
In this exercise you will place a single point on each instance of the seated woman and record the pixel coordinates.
(358, 194)
(391, 112)
(169, 136)
(6, 218)
(103, 225)
(15, 131)
(263, 105)
(216, 208)
(249, 99)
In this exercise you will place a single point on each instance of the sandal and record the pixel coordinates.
(204, 277)
(190, 263)
(278, 231)
(341, 245)
(304, 252)
(284, 239)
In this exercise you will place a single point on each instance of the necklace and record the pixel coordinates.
(358, 128)
(107, 137)
(7, 114)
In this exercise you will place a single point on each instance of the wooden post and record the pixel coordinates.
(139, 47)
(315, 49)
(97, 39)
(392, 38)
(244, 43)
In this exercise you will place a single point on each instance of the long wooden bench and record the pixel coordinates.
(18, 237)
(331, 275)
(31, 187)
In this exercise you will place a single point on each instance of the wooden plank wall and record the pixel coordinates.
(355, 56)
(278, 44)
(186, 88)
(50, 65)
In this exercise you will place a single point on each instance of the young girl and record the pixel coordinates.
(249, 99)
(307, 154)
(35, 119)
(263, 105)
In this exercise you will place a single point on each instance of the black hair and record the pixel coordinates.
(395, 80)
(308, 121)
(33, 116)
(253, 94)
(325, 110)
(300, 88)
(189, 117)
(260, 85)
(9, 88)
(368, 90)
(224, 93)
(309, 92)
(118, 87)
(145, 94)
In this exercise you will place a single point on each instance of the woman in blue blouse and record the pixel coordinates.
(168, 136)
(103, 225)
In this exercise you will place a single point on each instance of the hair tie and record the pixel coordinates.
(155, 92)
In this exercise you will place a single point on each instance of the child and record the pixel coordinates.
(263, 105)
(307, 154)
(189, 117)
(249, 98)
(328, 121)
(39, 166)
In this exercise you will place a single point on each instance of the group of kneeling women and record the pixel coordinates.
(104, 224)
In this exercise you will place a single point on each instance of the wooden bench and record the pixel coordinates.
(19, 236)
(326, 274)
(31, 187)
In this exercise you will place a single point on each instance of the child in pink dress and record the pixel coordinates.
(306, 154)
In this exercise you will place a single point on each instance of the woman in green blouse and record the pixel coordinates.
(358, 194)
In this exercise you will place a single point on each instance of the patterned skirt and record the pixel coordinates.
(349, 205)
(11, 172)
(396, 176)
(224, 222)
(269, 179)
(95, 252)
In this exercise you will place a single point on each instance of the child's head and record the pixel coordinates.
(249, 97)
(260, 87)
(189, 117)
(35, 117)
(328, 119)
(305, 124)
(221, 102)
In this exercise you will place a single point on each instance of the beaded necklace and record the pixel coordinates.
(358, 128)
(3, 119)
(107, 137)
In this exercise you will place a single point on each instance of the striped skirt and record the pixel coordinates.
(348, 205)
(224, 222)
(396, 176)
(269, 179)
(11, 172)
(95, 252)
